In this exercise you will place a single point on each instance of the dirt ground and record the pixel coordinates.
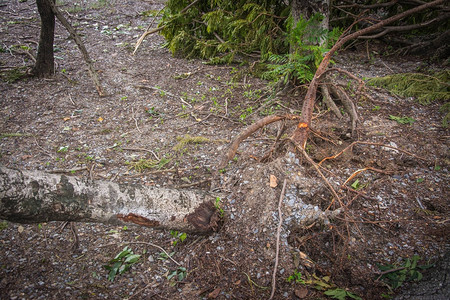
(166, 121)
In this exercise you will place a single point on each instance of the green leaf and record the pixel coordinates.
(355, 185)
(131, 259)
(341, 294)
(402, 120)
(114, 269)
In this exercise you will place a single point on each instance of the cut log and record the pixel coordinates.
(34, 197)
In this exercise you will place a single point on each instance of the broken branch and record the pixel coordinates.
(80, 45)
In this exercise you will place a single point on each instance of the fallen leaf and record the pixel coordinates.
(301, 292)
(273, 181)
(100, 119)
(23, 157)
(306, 261)
(214, 294)
(66, 118)
(20, 229)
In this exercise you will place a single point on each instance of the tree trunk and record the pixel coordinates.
(33, 197)
(45, 65)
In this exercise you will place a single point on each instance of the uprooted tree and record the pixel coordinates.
(297, 42)
(37, 197)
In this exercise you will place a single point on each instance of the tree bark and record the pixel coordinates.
(34, 197)
(45, 65)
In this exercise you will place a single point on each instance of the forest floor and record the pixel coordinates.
(166, 121)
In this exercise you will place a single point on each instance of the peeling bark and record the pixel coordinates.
(33, 197)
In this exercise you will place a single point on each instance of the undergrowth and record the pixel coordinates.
(425, 88)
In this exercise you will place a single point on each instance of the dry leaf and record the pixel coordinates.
(306, 261)
(66, 118)
(20, 229)
(100, 119)
(273, 181)
(301, 293)
(214, 294)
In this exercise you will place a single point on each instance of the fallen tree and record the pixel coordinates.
(35, 197)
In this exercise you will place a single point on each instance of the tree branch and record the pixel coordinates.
(80, 45)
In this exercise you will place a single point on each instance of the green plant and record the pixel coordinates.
(242, 27)
(149, 13)
(425, 88)
(402, 120)
(356, 185)
(296, 277)
(63, 149)
(121, 263)
(341, 294)
(306, 37)
(322, 284)
(13, 75)
(445, 108)
(165, 256)
(218, 207)
(3, 225)
(143, 164)
(99, 4)
(177, 275)
(394, 275)
(188, 139)
(178, 236)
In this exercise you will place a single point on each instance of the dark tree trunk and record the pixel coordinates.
(45, 66)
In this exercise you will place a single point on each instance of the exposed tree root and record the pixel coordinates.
(232, 149)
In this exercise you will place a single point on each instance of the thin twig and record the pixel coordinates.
(365, 169)
(280, 221)
(142, 149)
(232, 149)
(154, 30)
(80, 45)
(372, 144)
(183, 186)
(316, 166)
(135, 121)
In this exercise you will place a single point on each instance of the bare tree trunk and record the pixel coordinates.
(33, 197)
(45, 65)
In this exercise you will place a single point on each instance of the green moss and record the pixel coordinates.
(13, 134)
(187, 139)
(143, 164)
(13, 75)
(446, 110)
(425, 88)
